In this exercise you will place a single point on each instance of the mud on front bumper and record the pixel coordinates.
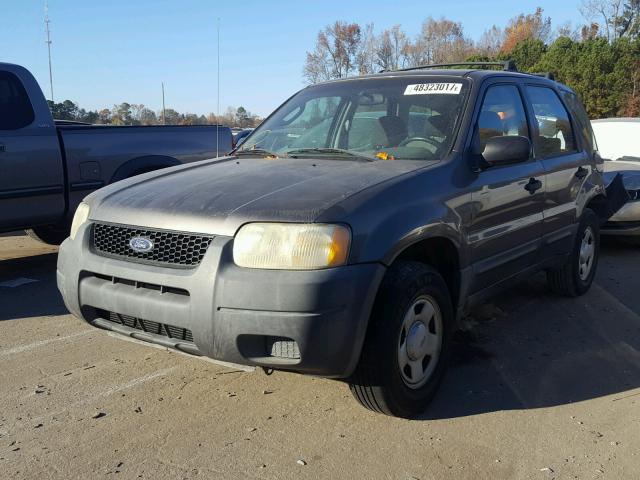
(307, 321)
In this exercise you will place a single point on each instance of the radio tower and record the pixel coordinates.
(48, 42)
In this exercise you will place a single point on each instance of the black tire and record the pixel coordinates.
(51, 235)
(567, 280)
(378, 382)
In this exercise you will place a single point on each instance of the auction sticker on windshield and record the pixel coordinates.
(433, 89)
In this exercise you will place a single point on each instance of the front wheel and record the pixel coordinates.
(407, 346)
(575, 277)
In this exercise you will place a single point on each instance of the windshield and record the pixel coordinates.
(411, 118)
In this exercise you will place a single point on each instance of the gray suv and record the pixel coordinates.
(351, 230)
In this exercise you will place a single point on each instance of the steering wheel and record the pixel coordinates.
(409, 140)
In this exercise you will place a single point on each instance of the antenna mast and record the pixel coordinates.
(218, 105)
(48, 42)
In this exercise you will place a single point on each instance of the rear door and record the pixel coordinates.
(566, 163)
(31, 173)
(508, 200)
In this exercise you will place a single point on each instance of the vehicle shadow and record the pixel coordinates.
(35, 293)
(530, 348)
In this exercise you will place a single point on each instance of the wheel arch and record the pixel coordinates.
(440, 252)
(143, 164)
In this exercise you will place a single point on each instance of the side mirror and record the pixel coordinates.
(506, 150)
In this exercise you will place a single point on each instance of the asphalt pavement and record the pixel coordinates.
(541, 387)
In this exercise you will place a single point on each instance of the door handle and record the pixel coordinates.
(2, 148)
(533, 185)
(582, 172)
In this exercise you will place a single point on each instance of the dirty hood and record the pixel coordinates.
(218, 196)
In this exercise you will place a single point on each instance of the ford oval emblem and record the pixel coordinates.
(141, 244)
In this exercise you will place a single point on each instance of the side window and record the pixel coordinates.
(581, 119)
(502, 114)
(555, 135)
(15, 108)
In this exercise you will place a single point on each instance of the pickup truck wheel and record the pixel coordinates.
(407, 346)
(49, 234)
(575, 277)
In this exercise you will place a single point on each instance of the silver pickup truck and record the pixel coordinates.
(47, 167)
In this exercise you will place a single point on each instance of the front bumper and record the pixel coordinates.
(232, 314)
(625, 222)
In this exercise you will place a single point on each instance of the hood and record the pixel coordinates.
(218, 196)
(630, 171)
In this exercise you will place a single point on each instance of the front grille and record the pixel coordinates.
(169, 248)
(148, 326)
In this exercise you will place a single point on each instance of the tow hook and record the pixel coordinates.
(267, 371)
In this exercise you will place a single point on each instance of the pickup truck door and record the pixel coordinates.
(566, 162)
(508, 201)
(31, 170)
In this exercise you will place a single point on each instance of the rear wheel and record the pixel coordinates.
(575, 277)
(51, 235)
(407, 347)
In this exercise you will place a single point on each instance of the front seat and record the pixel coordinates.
(395, 129)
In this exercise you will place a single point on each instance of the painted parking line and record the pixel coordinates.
(41, 343)
(83, 402)
(135, 382)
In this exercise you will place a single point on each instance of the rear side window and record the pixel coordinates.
(15, 108)
(555, 135)
(502, 114)
(581, 119)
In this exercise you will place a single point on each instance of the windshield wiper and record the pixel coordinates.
(338, 152)
(260, 152)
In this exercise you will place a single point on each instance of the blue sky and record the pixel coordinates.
(109, 51)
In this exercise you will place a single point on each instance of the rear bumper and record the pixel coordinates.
(307, 321)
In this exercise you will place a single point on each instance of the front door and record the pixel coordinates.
(31, 173)
(506, 228)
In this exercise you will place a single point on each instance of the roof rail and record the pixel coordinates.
(548, 75)
(507, 66)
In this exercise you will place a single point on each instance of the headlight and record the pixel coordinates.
(291, 246)
(81, 216)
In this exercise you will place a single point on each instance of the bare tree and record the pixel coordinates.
(367, 50)
(317, 67)
(335, 54)
(104, 116)
(147, 117)
(444, 41)
(490, 42)
(615, 18)
(567, 30)
(532, 26)
(384, 52)
(399, 44)
(414, 53)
